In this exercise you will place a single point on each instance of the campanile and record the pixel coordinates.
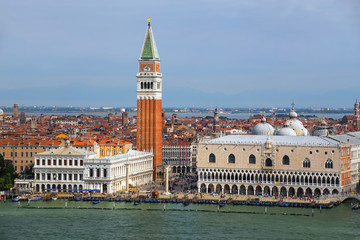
(149, 100)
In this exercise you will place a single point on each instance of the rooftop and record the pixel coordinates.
(276, 140)
(67, 151)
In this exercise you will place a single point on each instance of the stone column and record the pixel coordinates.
(127, 177)
(166, 179)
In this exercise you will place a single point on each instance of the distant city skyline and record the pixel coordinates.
(228, 54)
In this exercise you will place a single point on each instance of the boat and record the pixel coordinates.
(136, 203)
(186, 203)
(96, 202)
(16, 199)
(354, 206)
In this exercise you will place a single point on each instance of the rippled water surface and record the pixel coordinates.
(107, 220)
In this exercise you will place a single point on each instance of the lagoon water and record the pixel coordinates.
(84, 220)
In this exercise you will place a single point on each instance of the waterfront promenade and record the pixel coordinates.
(193, 197)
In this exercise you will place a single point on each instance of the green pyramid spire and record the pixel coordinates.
(149, 50)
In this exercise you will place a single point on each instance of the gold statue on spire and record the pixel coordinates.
(149, 19)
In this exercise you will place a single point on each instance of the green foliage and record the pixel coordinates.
(7, 174)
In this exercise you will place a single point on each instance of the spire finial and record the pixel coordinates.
(149, 21)
(292, 104)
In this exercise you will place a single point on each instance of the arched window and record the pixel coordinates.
(152, 85)
(286, 160)
(329, 163)
(212, 158)
(252, 159)
(231, 158)
(306, 163)
(142, 85)
(268, 162)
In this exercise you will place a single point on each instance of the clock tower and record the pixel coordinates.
(149, 100)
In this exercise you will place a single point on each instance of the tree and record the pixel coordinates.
(7, 174)
(28, 173)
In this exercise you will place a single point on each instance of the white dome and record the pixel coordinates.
(1, 112)
(263, 128)
(293, 114)
(286, 131)
(298, 127)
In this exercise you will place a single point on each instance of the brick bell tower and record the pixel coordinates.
(149, 100)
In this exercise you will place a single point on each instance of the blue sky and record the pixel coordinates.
(228, 53)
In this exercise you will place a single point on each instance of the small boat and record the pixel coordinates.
(354, 206)
(96, 202)
(136, 203)
(186, 204)
(16, 199)
(54, 198)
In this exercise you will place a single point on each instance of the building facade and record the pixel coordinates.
(353, 169)
(149, 100)
(178, 157)
(273, 165)
(61, 169)
(71, 169)
(22, 152)
(112, 174)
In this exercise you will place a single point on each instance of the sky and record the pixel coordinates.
(229, 53)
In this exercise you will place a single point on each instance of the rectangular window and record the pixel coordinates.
(3, 154)
(81, 177)
(38, 176)
(54, 162)
(76, 162)
(48, 176)
(15, 154)
(26, 154)
(70, 177)
(31, 154)
(43, 176)
(70, 162)
(75, 177)
(65, 162)
(15, 168)
(11, 154)
(65, 176)
(37, 161)
(81, 162)
(59, 176)
(97, 172)
(49, 162)
(21, 168)
(91, 172)
(43, 162)
(22, 154)
(104, 172)
(60, 162)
